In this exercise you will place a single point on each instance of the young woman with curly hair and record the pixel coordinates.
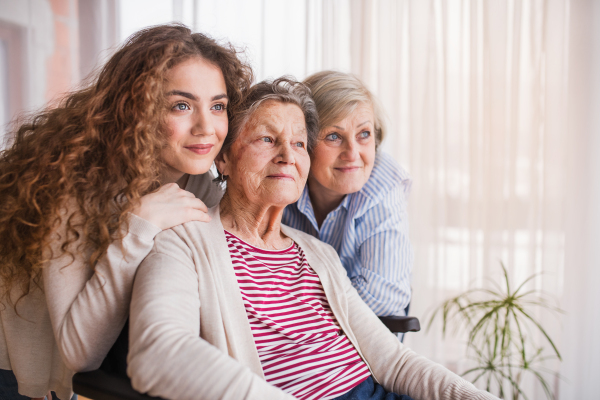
(87, 184)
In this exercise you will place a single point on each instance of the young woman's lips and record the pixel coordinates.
(200, 148)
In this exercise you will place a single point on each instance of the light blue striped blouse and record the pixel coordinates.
(369, 230)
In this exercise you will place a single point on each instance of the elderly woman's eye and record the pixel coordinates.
(181, 107)
(300, 144)
(267, 139)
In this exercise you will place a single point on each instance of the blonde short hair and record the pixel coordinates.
(337, 94)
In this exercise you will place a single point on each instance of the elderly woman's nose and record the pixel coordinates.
(350, 151)
(203, 123)
(286, 154)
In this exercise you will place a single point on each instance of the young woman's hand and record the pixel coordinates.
(171, 206)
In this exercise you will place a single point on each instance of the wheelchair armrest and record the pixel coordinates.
(401, 324)
(99, 385)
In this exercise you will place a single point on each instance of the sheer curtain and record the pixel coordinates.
(491, 105)
(475, 92)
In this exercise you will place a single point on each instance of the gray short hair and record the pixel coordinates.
(285, 90)
(337, 94)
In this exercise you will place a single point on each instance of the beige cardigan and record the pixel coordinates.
(83, 308)
(190, 337)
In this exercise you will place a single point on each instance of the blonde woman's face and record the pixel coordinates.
(344, 155)
(197, 117)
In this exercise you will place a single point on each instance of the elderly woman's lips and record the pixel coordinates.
(347, 169)
(200, 148)
(281, 176)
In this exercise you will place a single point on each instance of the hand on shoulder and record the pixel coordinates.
(170, 206)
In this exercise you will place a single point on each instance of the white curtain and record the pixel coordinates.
(493, 108)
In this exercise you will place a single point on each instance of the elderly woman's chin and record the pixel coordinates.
(281, 192)
(274, 190)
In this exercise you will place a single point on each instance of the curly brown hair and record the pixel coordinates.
(97, 152)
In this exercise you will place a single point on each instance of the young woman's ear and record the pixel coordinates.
(222, 164)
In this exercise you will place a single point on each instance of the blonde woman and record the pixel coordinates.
(356, 195)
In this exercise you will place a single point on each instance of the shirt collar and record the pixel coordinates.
(305, 206)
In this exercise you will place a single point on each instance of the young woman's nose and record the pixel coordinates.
(203, 123)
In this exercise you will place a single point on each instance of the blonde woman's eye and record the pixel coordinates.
(364, 134)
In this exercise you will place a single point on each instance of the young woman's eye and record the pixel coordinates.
(332, 137)
(219, 107)
(364, 135)
(181, 107)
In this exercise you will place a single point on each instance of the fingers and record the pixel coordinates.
(170, 206)
(196, 215)
(198, 204)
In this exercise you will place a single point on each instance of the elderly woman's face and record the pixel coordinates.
(268, 163)
(345, 152)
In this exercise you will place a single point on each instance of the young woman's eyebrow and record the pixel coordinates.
(190, 96)
(181, 93)
(219, 96)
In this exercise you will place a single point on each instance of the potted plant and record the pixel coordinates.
(503, 335)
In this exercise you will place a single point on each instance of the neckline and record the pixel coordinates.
(285, 250)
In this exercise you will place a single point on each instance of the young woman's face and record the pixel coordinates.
(197, 117)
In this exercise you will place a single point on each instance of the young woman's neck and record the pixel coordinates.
(171, 175)
(323, 200)
(256, 224)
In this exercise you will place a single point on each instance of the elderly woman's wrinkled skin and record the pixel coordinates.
(267, 167)
(342, 160)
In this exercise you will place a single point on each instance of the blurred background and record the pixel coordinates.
(493, 107)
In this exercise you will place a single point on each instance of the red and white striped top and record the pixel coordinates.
(300, 344)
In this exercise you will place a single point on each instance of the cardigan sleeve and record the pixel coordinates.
(399, 369)
(88, 306)
(167, 356)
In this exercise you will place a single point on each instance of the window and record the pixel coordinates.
(11, 86)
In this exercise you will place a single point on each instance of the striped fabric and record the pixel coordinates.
(301, 347)
(369, 231)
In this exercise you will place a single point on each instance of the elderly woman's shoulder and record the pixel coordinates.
(182, 237)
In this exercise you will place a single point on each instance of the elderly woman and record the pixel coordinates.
(247, 308)
(355, 198)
